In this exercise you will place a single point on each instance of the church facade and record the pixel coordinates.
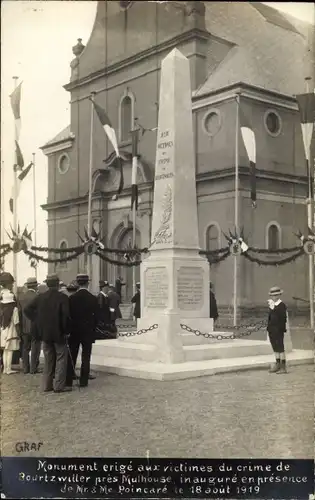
(236, 50)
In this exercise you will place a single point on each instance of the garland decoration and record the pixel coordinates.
(37, 258)
(126, 263)
(22, 241)
(286, 260)
(57, 250)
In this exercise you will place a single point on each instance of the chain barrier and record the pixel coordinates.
(139, 332)
(249, 330)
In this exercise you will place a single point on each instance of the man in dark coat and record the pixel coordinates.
(30, 338)
(50, 311)
(103, 302)
(84, 319)
(136, 301)
(118, 286)
(276, 328)
(213, 304)
(114, 302)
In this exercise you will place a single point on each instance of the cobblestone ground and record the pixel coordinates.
(249, 414)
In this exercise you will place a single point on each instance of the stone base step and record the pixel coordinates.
(147, 352)
(160, 371)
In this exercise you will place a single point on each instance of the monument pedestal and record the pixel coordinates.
(175, 290)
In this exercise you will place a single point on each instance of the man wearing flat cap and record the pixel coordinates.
(84, 319)
(30, 338)
(50, 310)
(277, 319)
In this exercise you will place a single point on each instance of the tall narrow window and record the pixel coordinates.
(126, 118)
(63, 245)
(273, 237)
(212, 237)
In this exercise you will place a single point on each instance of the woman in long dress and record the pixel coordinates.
(10, 329)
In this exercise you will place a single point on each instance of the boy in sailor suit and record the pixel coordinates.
(277, 319)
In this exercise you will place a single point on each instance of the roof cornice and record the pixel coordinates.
(244, 90)
(144, 54)
(61, 145)
(201, 177)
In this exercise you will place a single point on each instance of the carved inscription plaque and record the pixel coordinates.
(165, 151)
(190, 288)
(156, 288)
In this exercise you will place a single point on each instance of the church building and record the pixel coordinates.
(237, 50)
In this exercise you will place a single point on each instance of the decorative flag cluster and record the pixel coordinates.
(18, 167)
(250, 146)
(306, 103)
(111, 134)
(134, 185)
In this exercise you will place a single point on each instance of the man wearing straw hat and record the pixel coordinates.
(277, 319)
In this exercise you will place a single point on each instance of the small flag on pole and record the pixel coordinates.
(107, 126)
(134, 185)
(15, 98)
(250, 146)
(306, 103)
(19, 157)
(20, 178)
(111, 135)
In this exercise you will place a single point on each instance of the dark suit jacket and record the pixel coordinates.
(28, 327)
(113, 302)
(277, 319)
(50, 311)
(213, 306)
(84, 312)
(136, 300)
(104, 312)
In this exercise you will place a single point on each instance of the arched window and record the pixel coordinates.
(126, 116)
(63, 245)
(273, 236)
(212, 237)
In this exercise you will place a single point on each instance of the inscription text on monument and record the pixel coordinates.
(156, 288)
(190, 288)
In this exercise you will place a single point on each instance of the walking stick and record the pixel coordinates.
(72, 363)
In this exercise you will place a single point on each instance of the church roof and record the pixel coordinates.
(62, 136)
(270, 50)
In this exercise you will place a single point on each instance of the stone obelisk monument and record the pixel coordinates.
(174, 277)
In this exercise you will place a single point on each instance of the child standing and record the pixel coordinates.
(10, 332)
(277, 319)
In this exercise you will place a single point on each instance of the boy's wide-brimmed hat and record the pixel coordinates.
(31, 282)
(7, 297)
(275, 290)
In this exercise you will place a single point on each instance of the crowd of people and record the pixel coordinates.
(61, 319)
(58, 319)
